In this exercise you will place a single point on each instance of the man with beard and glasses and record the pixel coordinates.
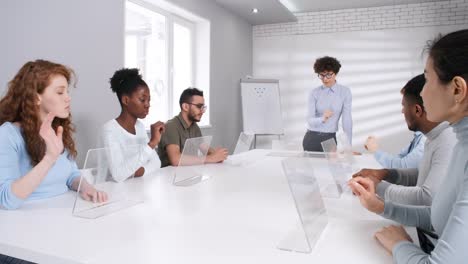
(184, 126)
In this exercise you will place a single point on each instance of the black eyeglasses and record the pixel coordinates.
(327, 75)
(202, 107)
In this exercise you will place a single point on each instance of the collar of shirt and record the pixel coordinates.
(418, 134)
(332, 89)
(461, 129)
(437, 130)
(182, 121)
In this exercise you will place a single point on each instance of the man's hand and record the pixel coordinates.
(371, 144)
(217, 155)
(378, 175)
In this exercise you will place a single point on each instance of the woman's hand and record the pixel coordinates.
(392, 235)
(326, 115)
(53, 140)
(365, 190)
(156, 131)
(89, 193)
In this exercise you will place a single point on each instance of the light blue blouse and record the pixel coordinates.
(337, 99)
(15, 163)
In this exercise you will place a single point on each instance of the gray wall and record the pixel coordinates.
(80, 34)
(88, 36)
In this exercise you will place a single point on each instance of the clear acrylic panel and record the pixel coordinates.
(96, 171)
(330, 149)
(338, 168)
(297, 154)
(190, 170)
(313, 154)
(287, 144)
(244, 143)
(240, 157)
(309, 205)
(286, 154)
(338, 184)
(345, 148)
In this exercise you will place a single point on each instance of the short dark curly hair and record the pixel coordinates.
(327, 64)
(187, 94)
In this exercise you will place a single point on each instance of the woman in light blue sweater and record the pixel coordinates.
(445, 97)
(37, 151)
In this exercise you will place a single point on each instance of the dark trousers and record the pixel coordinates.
(313, 139)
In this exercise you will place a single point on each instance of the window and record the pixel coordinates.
(182, 60)
(162, 46)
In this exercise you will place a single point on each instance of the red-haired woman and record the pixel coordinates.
(37, 151)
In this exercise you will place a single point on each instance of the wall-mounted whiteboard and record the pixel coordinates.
(261, 106)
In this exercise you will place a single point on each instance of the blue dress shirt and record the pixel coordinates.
(409, 157)
(337, 99)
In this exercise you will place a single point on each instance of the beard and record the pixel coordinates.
(193, 117)
(413, 127)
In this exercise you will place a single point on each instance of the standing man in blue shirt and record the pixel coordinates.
(326, 104)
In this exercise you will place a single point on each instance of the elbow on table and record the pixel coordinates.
(8, 200)
(6, 204)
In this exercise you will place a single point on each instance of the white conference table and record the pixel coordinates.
(239, 215)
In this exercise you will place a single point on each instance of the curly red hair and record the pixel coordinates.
(20, 105)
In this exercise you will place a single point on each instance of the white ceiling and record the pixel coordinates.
(279, 11)
(320, 5)
(269, 11)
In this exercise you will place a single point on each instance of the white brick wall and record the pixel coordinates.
(443, 13)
